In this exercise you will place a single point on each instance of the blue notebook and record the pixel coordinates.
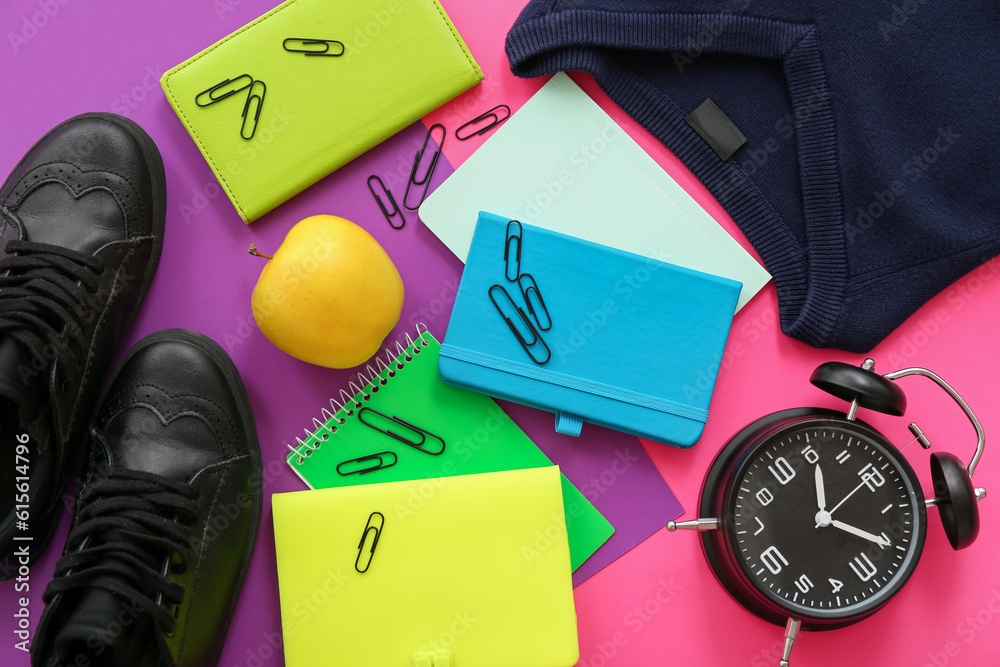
(588, 332)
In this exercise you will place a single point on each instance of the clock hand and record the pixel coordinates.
(823, 517)
(820, 489)
(860, 533)
(863, 482)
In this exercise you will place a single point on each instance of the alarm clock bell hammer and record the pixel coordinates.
(829, 547)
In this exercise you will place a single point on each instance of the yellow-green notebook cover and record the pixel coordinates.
(400, 60)
(456, 577)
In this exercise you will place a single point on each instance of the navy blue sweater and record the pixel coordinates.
(870, 180)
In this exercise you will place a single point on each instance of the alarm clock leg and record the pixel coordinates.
(791, 632)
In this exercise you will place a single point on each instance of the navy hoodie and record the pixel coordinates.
(869, 179)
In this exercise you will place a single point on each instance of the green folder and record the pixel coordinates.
(403, 423)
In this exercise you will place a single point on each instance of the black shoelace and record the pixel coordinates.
(129, 526)
(43, 295)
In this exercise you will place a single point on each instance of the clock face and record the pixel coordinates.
(825, 519)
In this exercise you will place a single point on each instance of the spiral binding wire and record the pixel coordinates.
(368, 383)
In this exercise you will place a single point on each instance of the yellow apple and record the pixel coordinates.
(329, 295)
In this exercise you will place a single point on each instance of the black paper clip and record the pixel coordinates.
(370, 527)
(251, 96)
(389, 215)
(380, 457)
(493, 113)
(538, 301)
(305, 43)
(425, 180)
(227, 90)
(416, 444)
(536, 338)
(512, 237)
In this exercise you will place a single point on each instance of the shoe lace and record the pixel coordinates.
(129, 524)
(42, 294)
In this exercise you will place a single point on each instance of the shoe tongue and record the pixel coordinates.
(105, 630)
(20, 382)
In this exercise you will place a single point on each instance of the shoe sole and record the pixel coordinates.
(154, 163)
(225, 362)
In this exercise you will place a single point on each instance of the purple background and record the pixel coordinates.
(64, 57)
(614, 472)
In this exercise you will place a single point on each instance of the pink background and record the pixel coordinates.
(659, 604)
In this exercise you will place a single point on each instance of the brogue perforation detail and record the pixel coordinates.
(80, 183)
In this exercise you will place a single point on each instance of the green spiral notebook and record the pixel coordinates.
(401, 422)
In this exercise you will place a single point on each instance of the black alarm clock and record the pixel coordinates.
(816, 519)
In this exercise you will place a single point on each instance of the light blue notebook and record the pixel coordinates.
(588, 332)
(560, 162)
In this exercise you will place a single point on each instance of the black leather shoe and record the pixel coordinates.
(81, 228)
(167, 516)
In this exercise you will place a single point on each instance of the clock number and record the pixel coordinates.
(773, 560)
(782, 470)
(761, 529)
(863, 567)
(812, 456)
(837, 585)
(765, 496)
(871, 479)
(803, 584)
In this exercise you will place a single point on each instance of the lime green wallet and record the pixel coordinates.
(312, 84)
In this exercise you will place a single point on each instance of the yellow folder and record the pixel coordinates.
(467, 571)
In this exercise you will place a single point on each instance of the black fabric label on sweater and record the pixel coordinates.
(714, 126)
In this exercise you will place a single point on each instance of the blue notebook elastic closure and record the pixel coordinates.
(588, 332)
